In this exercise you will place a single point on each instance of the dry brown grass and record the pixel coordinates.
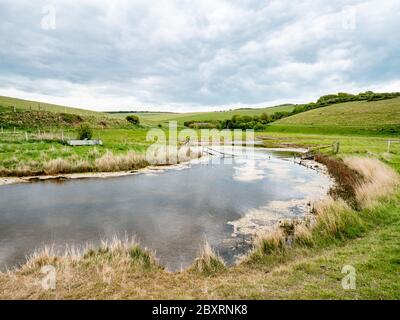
(303, 235)
(120, 162)
(379, 180)
(329, 215)
(59, 165)
(208, 262)
(97, 269)
(270, 243)
(346, 179)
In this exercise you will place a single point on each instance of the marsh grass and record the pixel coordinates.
(379, 180)
(334, 219)
(121, 253)
(208, 263)
(269, 244)
(120, 162)
(60, 165)
(303, 235)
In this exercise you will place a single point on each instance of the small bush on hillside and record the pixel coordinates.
(84, 131)
(133, 119)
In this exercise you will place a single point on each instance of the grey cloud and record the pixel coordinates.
(197, 54)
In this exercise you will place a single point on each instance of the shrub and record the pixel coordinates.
(133, 119)
(85, 131)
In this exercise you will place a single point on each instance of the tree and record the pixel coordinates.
(85, 131)
(265, 118)
(133, 119)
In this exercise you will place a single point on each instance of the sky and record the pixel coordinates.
(196, 55)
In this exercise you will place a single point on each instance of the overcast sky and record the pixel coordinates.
(196, 55)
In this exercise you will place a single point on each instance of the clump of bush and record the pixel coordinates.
(133, 119)
(84, 131)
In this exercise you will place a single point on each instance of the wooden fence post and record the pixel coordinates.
(388, 147)
(14, 130)
(26, 136)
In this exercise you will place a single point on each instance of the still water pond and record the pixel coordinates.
(169, 211)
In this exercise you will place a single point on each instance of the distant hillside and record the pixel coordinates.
(161, 117)
(380, 117)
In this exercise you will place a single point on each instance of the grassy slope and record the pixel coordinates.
(34, 105)
(28, 116)
(159, 117)
(375, 117)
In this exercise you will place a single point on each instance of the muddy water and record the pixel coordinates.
(170, 211)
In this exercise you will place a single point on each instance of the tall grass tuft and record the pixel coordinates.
(121, 254)
(120, 162)
(379, 180)
(58, 165)
(269, 244)
(303, 235)
(335, 219)
(208, 263)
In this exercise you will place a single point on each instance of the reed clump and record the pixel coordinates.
(120, 253)
(380, 180)
(270, 243)
(120, 162)
(208, 262)
(336, 219)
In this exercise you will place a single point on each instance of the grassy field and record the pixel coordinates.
(163, 118)
(370, 118)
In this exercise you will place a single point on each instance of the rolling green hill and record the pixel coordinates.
(25, 114)
(154, 118)
(373, 117)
